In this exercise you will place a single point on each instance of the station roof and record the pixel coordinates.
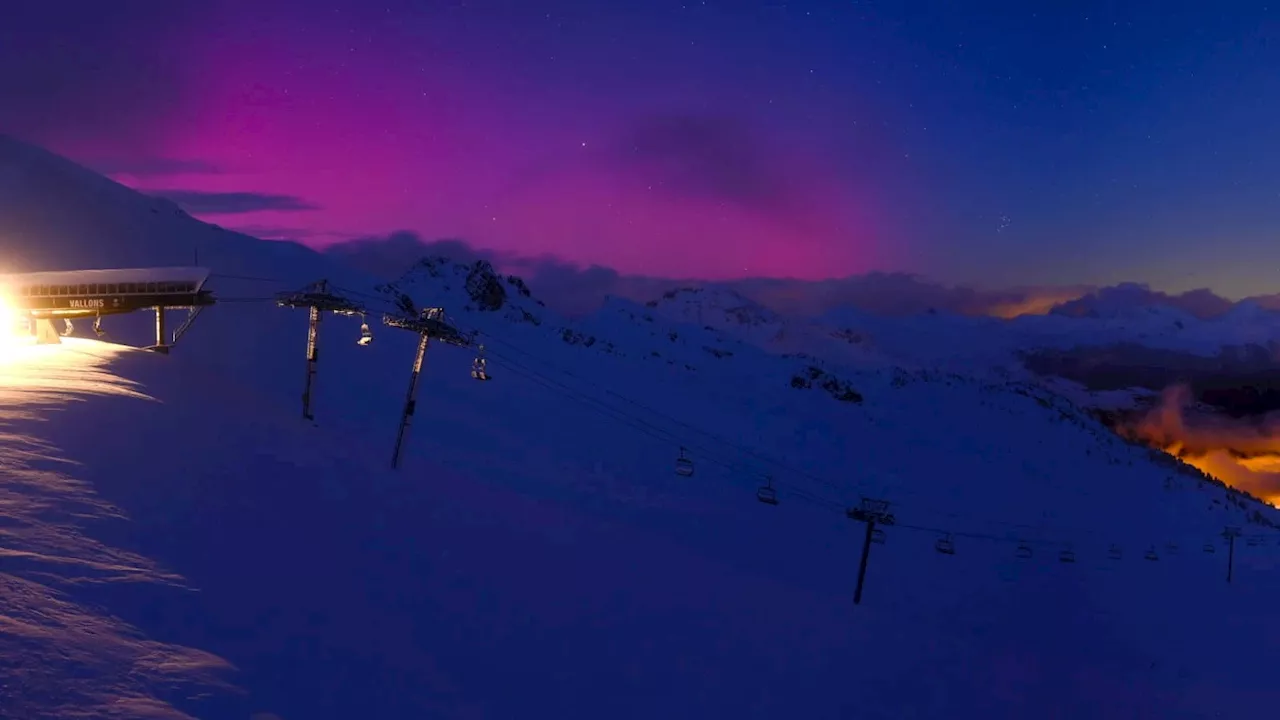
(195, 275)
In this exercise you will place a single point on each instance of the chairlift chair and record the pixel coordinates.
(766, 494)
(1067, 555)
(1209, 548)
(945, 545)
(479, 366)
(366, 335)
(1024, 551)
(1253, 542)
(1171, 548)
(684, 466)
(68, 328)
(1151, 553)
(97, 326)
(877, 536)
(1115, 553)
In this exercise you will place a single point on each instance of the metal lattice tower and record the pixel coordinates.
(871, 512)
(430, 323)
(317, 299)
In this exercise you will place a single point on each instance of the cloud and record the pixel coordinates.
(145, 167)
(710, 157)
(1242, 452)
(1269, 302)
(389, 256)
(715, 158)
(715, 165)
(900, 294)
(278, 232)
(1202, 303)
(573, 289)
(198, 202)
(564, 286)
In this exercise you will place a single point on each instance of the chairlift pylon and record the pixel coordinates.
(766, 494)
(684, 466)
(945, 545)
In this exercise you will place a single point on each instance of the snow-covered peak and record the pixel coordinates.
(722, 309)
(471, 290)
(712, 306)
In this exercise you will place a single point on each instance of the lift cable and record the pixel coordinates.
(252, 278)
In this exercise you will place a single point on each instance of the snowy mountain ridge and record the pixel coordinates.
(488, 302)
(712, 306)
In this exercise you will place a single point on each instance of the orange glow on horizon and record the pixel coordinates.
(1034, 305)
(1244, 455)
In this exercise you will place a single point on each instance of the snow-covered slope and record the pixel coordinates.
(718, 308)
(60, 216)
(538, 556)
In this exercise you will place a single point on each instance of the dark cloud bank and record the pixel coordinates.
(573, 289)
(198, 202)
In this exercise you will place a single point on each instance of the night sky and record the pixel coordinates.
(989, 142)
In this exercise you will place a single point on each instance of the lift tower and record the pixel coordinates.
(872, 512)
(430, 323)
(318, 300)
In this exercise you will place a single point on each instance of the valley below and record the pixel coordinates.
(1218, 413)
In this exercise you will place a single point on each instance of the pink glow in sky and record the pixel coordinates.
(813, 138)
(378, 139)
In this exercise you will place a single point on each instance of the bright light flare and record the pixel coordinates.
(14, 327)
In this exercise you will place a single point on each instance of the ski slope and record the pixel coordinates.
(179, 543)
